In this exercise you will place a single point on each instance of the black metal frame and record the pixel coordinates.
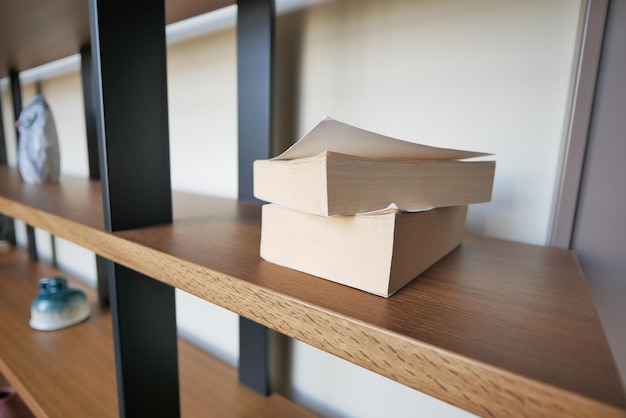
(7, 226)
(91, 125)
(16, 96)
(130, 97)
(16, 99)
(255, 56)
(3, 143)
(129, 59)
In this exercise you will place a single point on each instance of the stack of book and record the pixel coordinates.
(363, 209)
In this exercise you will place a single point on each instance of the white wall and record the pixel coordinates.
(487, 75)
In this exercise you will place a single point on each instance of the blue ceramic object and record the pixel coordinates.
(58, 306)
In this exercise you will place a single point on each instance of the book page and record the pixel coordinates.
(335, 136)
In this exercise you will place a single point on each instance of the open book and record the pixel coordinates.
(340, 169)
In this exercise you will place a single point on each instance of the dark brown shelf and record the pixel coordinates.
(494, 327)
(78, 200)
(33, 33)
(74, 198)
(71, 372)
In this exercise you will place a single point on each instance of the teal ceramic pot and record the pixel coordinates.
(58, 306)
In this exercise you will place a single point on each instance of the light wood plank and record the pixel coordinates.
(74, 198)
(62, 373)
(496, 327)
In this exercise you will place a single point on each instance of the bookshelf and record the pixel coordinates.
(495, 328)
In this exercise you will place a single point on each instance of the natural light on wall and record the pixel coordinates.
(492, 76)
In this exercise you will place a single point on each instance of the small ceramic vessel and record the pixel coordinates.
(58, 306)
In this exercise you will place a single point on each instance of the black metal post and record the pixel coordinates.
(3, 143)
(254, 356)
(91, 127)
(129, 61)
(16, 99)
(16, 94)
(255, 48)
(102, 276)
(7, 227)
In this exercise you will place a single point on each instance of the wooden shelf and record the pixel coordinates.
(76, 199)
(34, 33)
(495, 328)
(71, 372)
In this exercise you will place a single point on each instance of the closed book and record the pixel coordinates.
(340, 169)
(377, 252)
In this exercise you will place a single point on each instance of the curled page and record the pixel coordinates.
(335, 136)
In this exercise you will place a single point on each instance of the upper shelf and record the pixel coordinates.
(496, 327)
(33, 33)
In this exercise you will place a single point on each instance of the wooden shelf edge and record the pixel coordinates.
(12, 379)
(62, 366)
(474, 386)
(465, 382)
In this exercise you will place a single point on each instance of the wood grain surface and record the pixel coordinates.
(496, 327)
(62, 373)
(34, 33)
(71, 372)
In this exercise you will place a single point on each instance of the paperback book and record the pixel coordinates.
(366, 210)
(338, 169)
(378, 252)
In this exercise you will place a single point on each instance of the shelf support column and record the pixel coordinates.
(255, 49)
(91, 128)
(16, 95)
(129, 61)
(7, 228)
(3, 143)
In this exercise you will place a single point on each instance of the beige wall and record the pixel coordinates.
(202, 93)
(488, 75)
(64, 95)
